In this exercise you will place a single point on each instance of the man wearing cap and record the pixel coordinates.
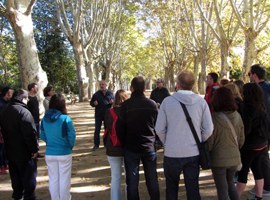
(160, 92)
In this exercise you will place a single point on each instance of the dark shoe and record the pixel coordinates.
(95, 148)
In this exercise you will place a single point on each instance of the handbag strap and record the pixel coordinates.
(189, 120)
(230, 125)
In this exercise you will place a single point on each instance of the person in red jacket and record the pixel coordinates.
(212, 85)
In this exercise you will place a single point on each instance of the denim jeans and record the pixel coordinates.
(223, 177)
(98, 124)
(23, 179)
(116, 164)
(132, 165)
(172, 170)
(59, 170)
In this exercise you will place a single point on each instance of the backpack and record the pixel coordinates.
(113, 136)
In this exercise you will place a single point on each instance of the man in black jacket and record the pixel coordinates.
(138, 135)
(19, 132)
(101, 100)
(160, 92)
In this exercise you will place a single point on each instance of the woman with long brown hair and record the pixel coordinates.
(58, 132)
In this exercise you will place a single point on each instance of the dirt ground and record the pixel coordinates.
(91, 171)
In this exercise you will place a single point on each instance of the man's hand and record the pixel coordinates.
(96, 103)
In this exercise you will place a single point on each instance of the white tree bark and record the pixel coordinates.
(73, 33)
(223, 33)
(19, 16)
(252, 22)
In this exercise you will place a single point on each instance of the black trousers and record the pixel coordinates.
(266, 171)
(23, 179)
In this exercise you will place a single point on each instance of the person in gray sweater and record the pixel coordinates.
(180, 149)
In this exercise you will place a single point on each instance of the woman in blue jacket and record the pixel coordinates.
(58, 132)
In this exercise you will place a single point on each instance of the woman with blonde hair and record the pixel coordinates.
(115, 153)
(236, 94)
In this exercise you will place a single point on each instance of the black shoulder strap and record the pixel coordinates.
(189, 120)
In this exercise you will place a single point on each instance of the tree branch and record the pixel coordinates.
(3, 9)
(30, 7)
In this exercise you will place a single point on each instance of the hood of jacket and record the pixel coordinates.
(52, 115)
(232, 116)
(186, 97)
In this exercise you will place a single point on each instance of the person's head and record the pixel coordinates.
(240, 85)
(235, 90)
(253, 95)
(48, 91)
(32, 88)
(58, 102)
(137, 84)
(21, 95)
(223, 100)
(185, 81)
(223, 82)
(211, 78)
(256, 73)
(7, 93)
(160, 83)
(103, 85)
(120, 96)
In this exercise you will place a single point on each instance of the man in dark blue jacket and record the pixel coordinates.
(257, 75)
(138, 137)
(101, 100)
(21, 146)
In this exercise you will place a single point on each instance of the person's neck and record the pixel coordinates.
(259, 80)
(31, 94)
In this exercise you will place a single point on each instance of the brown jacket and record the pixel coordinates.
(224, 151)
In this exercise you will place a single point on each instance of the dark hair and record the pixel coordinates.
(254, 96)
(223, 100)
(20, 94)
(58, 102)
(259, 70)
(186, 80)
(30, 86)
(5, 90)
(47, 90)
(120, 97)
(138, 84)
(214, 76)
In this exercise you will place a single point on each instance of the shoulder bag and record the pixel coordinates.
(204, 156)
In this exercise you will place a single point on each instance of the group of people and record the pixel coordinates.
(232, 119)
(20, 131)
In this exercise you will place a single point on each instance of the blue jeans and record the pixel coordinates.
(132, 165)
(23, 179)
(172, 170)
(116, 164)
(98, 124)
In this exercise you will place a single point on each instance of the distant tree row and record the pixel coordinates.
(80, 42)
